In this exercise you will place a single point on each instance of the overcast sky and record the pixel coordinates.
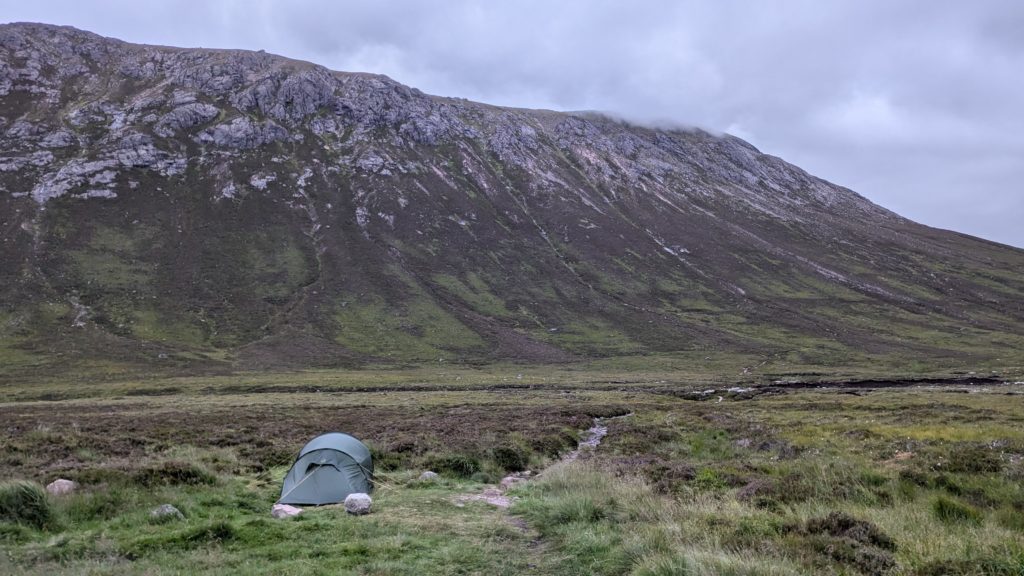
(916, 104)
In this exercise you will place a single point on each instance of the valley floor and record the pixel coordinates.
(755, 478)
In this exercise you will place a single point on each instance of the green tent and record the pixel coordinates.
(328, 468)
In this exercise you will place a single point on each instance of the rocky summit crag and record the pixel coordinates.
(230, 209)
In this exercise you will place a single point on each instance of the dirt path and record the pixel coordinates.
(498, 495)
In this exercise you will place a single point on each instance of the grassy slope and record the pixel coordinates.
(681, 486)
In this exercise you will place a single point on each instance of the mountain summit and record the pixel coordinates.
(234, 208)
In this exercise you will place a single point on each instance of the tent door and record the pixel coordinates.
(312, 468)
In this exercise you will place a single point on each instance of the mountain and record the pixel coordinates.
(236, 209)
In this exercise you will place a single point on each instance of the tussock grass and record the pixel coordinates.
(173, 472)
(26, 503)
(951, 511)
(602, 524)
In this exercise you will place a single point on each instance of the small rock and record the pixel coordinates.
(429, 476)
(358, 504)
(284, 511)
(166, 512)
(61, 486)
(744, 443)
(513, 479)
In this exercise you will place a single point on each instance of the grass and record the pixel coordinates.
(952, 511)
(422, 331)
(475, 292)
(590, 337)
(903, 481)
(25, 503)
(227, 530)
(148, 324)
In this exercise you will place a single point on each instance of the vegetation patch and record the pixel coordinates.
(952, 511)
(461, 465)
(173, 473)
(26, 503)
(211, 533)
(856, 543)
(795, 481)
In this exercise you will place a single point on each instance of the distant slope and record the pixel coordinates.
(189, 207)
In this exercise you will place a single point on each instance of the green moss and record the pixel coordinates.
(591, 336)
(149, 324)
(475, 292)
(279, 266)
(420, 330)
(111, 260)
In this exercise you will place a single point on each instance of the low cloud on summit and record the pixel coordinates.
(914, 104)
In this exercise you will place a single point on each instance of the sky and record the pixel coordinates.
(914, 104)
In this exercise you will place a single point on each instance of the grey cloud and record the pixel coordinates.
(914, 104)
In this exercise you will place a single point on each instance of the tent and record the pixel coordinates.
(328, 468)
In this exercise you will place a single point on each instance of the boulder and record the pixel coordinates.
(358, 504)
(61, 486)
(284, 511)
(429, 476)
(166, 513)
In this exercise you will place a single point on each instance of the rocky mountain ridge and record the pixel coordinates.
(226, 207)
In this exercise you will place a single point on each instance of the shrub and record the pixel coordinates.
(952, 511)
(849, 541)
(511, 458)
(666, 476)
(26, 503)
(388, 460)
(173, 473)
(840, 525)
(551, 445)
(709, 479)
(973, 460)
(461, 465)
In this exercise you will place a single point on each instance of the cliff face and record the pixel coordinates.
(213, 206)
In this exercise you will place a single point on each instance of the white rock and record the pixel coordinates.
(358, 504)
(284, 511)
(429, 475)
(61, 486)
(166, 512)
